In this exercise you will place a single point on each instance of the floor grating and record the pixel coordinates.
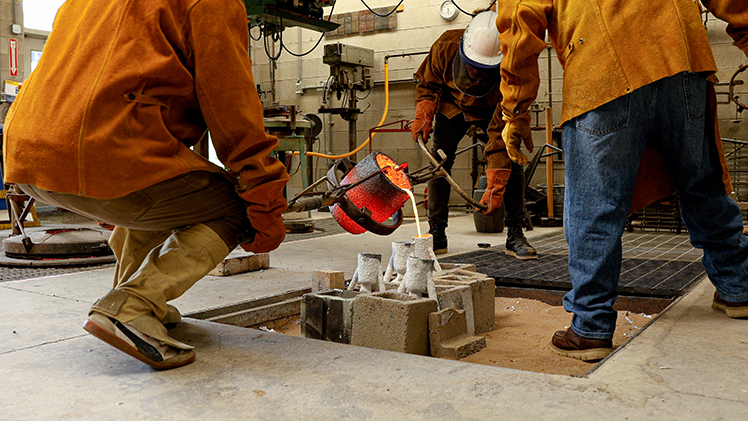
(657, 264)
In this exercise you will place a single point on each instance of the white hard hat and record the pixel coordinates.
(480, 46)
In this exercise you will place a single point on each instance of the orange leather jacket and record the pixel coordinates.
(607, 51)
(114, 108)
(436, 84)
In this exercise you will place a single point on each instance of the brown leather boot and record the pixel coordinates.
(731, 309)
(569, 344)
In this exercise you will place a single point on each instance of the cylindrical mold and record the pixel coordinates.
(398, 261)
(382, 195)
(423, 247)
(418, 276)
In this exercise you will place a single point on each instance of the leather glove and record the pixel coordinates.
(265, 206)
(515, 133)
(493, 197)
(422, 123)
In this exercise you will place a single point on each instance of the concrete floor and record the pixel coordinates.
(691, 363)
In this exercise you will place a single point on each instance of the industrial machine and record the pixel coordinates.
(350, 72)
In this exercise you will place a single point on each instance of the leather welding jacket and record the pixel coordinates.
(436, 83)
(115, 111)
(609, 48)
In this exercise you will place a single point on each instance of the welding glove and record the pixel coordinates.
(424, 116)
(494, 195)
(265, 206)
(515, 133)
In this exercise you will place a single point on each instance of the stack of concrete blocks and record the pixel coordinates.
(327, 312)
(395, 321)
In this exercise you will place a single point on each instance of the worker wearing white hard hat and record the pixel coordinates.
(458, 87)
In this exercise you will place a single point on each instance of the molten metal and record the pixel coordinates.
(382, 195)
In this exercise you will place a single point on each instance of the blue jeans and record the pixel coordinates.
(603, 148)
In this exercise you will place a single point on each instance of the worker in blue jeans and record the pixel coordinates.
(639, 120)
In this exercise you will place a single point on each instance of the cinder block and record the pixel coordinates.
(469, 267)
(448, 337)
(325, 280)
(459, 297)
(392, 321)
(483, 291)
(328, 315)
(240, 264)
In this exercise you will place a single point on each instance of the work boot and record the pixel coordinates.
(731, 309)
(568, 344)
(517, 245)
(438, 231)
(136, 344)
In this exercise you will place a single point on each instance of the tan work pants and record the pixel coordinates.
(167, 237)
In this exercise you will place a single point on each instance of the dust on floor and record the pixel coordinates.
(520, 339)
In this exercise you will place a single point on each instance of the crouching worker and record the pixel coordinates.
(103, 128)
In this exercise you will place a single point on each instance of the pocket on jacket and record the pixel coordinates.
(145, 99)
(694, 85)
(606, 118)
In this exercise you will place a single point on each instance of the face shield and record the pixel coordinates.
(474, 81)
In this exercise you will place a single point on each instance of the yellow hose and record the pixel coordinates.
(368, 139)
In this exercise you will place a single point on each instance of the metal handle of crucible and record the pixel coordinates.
(441, 172)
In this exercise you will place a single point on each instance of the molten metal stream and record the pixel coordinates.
(415, 212)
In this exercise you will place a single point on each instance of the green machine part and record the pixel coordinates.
(287, 13)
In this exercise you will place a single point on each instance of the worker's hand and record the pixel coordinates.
(265, 206)
(422, 123)
(493, 197)
(515, 133)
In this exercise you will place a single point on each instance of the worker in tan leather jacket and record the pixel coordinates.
(458, 87)
(103, 127)
(639, 119)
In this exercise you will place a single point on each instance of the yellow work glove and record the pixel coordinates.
(425, 111)
(515, 133)
(265, 206)
(494, 195)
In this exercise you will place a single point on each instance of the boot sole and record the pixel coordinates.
(441, 251)
(594, 354)
(111, 339)
(513, 254)
(731, 312)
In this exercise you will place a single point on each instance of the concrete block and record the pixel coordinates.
(328, 315)
(464, 266)
(459, 297)
(240, 264)
(448, 337)
(325, 280)
(392, 321)
(483, 290)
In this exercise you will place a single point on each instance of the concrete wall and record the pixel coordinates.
(418, 25)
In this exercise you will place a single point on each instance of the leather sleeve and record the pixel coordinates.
(430, 75)
(227, 94)
(495, 152)
(522, 25)
(735, 13)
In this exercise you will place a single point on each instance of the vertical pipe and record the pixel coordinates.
(549, 159)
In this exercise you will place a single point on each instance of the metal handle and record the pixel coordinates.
(443, 173)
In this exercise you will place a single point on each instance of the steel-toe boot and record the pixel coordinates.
(517, 244)
(438, 231)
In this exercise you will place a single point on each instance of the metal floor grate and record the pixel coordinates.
(657, 264)
(15, 273)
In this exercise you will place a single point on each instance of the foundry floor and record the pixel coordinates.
(691, 363)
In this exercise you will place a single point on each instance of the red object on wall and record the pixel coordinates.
(13, 54)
